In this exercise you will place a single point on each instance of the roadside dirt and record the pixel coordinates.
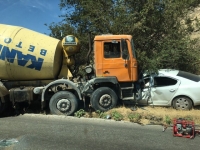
(160, 115)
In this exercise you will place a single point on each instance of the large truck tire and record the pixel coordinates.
(103, 99)
(63, 103)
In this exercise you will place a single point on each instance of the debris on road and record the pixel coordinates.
(8, 142)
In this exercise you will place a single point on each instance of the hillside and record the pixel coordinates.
(195, 15)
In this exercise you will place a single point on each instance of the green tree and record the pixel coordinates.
(58, 30)
(161, 28)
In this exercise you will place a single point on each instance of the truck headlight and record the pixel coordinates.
(88, 69)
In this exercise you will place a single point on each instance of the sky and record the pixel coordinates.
(31, 14)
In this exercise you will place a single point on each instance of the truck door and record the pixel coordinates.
(113, 64)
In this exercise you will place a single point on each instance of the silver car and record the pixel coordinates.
(172, 88)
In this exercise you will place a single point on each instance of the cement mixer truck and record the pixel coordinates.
(35, 66)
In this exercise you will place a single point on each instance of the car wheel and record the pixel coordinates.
(63, 103)
(183, 103)
(103, 99)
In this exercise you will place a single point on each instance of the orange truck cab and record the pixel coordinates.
(115, 72)
(115, 56)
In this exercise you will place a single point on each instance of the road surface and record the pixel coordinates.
(49, 132)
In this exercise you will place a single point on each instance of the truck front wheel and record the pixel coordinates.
(63, 103)
(103, 99)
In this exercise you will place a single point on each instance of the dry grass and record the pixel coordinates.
(155, 114)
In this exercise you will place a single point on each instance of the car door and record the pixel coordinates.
(163, 90)
(146, 92)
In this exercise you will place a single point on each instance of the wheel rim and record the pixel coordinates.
(182, 103)
(105, 100)
(63, 105)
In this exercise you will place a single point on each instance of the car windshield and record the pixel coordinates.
(189, 76)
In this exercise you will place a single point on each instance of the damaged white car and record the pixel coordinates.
(175, 88)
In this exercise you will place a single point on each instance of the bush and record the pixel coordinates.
(79, 113)
(134, 117)
(101, 114)
(168, 120)
(117, 116)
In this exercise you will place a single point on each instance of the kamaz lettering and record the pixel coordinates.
(22, 59)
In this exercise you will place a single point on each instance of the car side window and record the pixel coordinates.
(164, 81)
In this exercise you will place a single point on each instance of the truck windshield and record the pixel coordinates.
(133, 49)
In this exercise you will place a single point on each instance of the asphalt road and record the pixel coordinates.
(41, 132)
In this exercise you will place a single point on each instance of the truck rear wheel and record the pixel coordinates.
(103, 99)
(63, 103)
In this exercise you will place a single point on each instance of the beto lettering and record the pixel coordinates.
(22, 59)
(43, 52)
